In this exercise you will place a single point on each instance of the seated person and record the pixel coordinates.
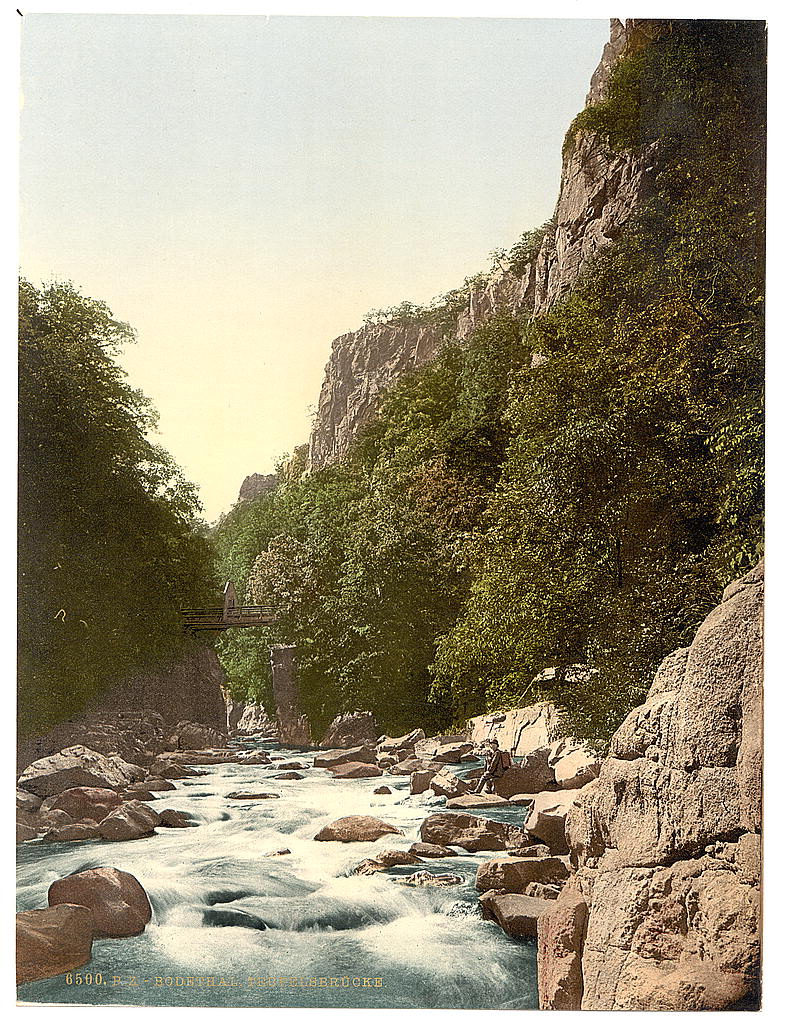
(494, 768)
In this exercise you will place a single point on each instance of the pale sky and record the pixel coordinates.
(242, 190)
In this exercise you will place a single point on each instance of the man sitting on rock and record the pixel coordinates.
(495, 767)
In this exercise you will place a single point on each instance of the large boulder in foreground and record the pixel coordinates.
(666, 841)
(351, 729)
(445, 783)
(78, 766)
(471, 833)
(117, 900)
(52, 941)
(356, 828)
(531, 775)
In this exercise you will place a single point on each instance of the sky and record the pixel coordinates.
(242, 189)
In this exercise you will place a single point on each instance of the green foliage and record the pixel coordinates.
(500, 518)
(109, 545)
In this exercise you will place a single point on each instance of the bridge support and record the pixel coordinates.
(294, 727)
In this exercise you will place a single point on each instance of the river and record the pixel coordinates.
(233, 927)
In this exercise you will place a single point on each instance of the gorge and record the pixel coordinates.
(528, 513)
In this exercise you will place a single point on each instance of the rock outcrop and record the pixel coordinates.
(663, 911)
(293, 726)
(256, 485)
(599, 191)
(51, 941)
(351, 729)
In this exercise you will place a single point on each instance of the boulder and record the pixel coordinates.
(333, 758)
(52, 941)
(451, 753)
(531, 775)
(535, 850)
(288, 776)
(75, 767)
(445, 783)
(425, 748)
(474, 801)
(74, 833)
(170, 818)
(408, 766)
(431, 850)
(386, 760)
(254, 757)
(155, 785)
(237, 795)
(368, 867)
(666, 840)
(132, 820)
(470, 832)
(87, 802)
(163, 768)
(514, 874)
(516, 914)
(26, 802)
(389, 744)
(279, 853)
(351, 729)
(427, 878)
(24, 832)
(291, 766)
(420, 781)
(542, 892)
(520, 730)
(355, 770)
(53, 818)
(383, 791)
(574, 765)
(394, 858)
(356, 828)
(194, 736)
(118, 902)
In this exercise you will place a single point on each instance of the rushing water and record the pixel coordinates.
(232, 927)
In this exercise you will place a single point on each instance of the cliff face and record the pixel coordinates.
(663, 911)
(599, 191)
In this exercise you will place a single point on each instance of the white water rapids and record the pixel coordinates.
(232, 927)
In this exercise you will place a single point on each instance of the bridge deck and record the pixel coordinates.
(217, 618)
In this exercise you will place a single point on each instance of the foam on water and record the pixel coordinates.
(223, 909)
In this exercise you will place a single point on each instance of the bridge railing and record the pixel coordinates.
(218, 614)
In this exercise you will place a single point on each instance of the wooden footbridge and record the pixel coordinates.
(227, 616)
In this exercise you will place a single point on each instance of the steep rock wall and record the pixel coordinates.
(663, 911)
(599, 191)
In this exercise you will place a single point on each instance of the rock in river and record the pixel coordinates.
(471, 833)
(52, 941)
(133, 820)
(517, 915)
(118, 902)
(514, 874)
(87, 802)
(76, 767)
(356, 828)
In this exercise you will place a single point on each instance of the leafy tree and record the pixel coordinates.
(109, 544)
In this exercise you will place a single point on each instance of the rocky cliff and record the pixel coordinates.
(663, 910)
(256, 484)
(599, 191)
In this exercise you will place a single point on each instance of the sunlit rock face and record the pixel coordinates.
(599, 191)
(663, 912)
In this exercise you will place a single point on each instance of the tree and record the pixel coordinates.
(110, 546)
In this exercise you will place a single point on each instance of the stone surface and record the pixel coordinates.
(194, 736)
(383, 791)
(514, 874)
(355, 770)
(420, 781)
(574, 765)
(356, 828)
(666, 839)
(470, 801)
(73, 833)
(561, 931)
(516, 914)
(256, 485)
(52, 941)
(288, 776)
(76, 767)
(521, 731)
(332, 758)
(445, 783)
(429, 850)
(531, 774)
(351, 729)
(132, 820)
(470, 832)
(118, 902)
(427, 878)
(390, 744)
(238, 795)
(451, 753)
(24, 832)
(293, 726)
(408, 766)
(169, 818)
